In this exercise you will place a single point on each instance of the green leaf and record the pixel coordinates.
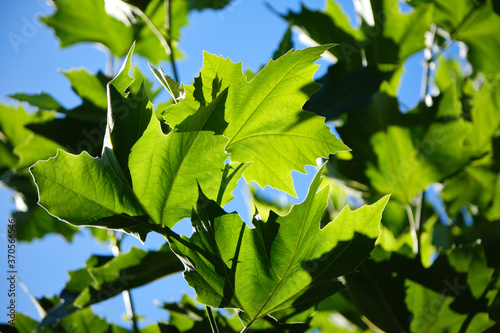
(471, 260)
(403, 153)
(148, 44)
(121, 190)
(84, 190)
(74, 135)
(432, 312)
(346, 91)
(473, 185)
(482, 36)
(42, 101)
(27, 146)
(285, 45)
(331, 26)
(36, 223)
(484, 112)
(105, 277)
(338, 303)
(84, 321)
(378, 294)
(396, 36)
(330, 322)
(88, 86)
(175, 89)
(449, 72)
(193, 152)
(187, 316)
(266, 125)
(87, 21)
(283, 267)
(390, 39)
(118, 25)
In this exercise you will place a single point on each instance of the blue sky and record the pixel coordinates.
(245, 31)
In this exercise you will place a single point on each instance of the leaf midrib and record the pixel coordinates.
(299, 241)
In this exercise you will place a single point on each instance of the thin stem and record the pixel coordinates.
(211, 318)
(418, 211)
(129, 308)
(168, 28)
(153, 28)
(413, 229)
(127, 297)
(245, 329)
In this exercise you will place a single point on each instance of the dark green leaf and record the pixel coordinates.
(346, 91)
(403, 153)
(105, 277)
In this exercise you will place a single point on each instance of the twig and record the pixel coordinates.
(153, 28)
(129, 308)
(211, 318)
(413, 229)
(168, 28)
(127, 297)
(418, 211)
(245, 329)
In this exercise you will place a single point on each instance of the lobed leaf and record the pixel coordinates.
(266, 123)
(283, 267)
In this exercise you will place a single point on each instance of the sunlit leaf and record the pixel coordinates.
(282, 267)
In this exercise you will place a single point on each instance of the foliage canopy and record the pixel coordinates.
(399, 231)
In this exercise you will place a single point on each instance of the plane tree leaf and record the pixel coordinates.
(87, 21)
(389, 39)
(346, 90)
(42, 100)
(266, 123)
(395, 36)
(175, 89)
(85, 191)
(88, 86)
(121, 189)
(193, 152)
(21, 146)
(403, 153)
(282, 267)
(36, 222)
(473, 183)
(106, 276)
(379, 295)
(115, 25)
(432, 313)
(330, 26)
